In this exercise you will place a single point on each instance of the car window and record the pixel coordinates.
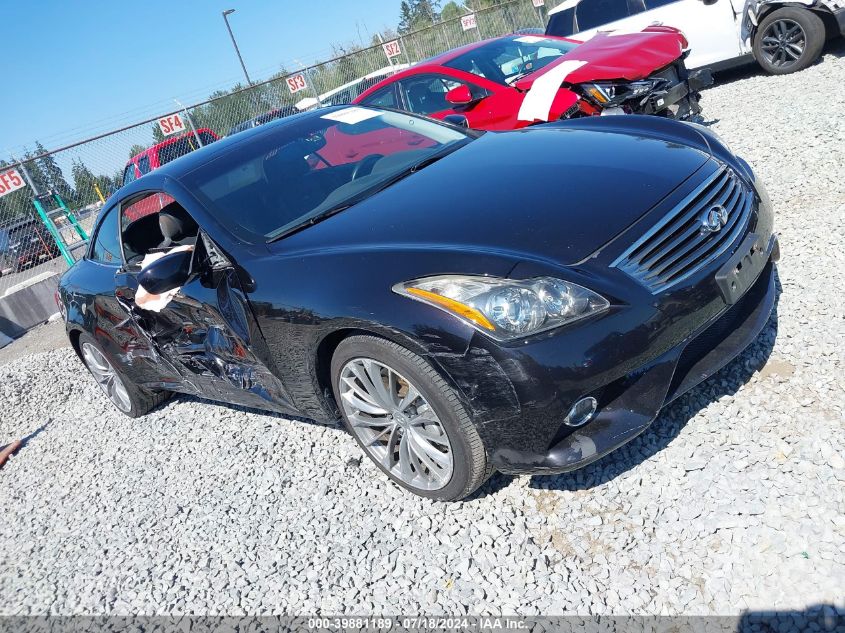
(129, 173)
(143, 231)
(426, 94)
(174, 150)
(505, 60)
(106, 248)
(293, 173)
(144, 165)
(653, 4)
(384, 98)
(590, 14)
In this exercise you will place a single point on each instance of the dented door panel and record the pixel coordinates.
(203, 343)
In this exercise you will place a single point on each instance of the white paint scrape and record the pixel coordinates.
(538, 102)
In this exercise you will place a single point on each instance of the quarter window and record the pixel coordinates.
(106, 247)
(384, 98)
(594, 13)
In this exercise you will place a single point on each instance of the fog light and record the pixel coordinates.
(581, 412)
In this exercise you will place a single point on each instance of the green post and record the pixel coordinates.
(51, 227)
(70, 216)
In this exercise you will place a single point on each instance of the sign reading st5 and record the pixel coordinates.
(10, 181)
(171, 124)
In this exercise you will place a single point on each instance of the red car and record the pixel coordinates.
(517, 80)
(162, 153)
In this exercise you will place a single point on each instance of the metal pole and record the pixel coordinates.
(190, 122)
(235, 44)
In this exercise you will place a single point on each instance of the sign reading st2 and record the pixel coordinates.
(391, 49)
(171, 124)
(10, 181)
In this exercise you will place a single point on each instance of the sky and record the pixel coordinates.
(74, 69)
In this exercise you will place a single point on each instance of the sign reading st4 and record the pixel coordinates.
(296, 83)
(10, 181)
(171, 124)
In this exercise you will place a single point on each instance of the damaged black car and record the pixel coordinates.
(466, 302)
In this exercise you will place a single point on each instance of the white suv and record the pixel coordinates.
(783, 37)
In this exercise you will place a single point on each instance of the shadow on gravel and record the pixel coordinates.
(672, 419)
(817, 617)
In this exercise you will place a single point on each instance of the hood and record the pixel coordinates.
(544, 193)
(616, 55)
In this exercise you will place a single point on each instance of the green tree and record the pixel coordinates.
(83, 182)
(135, 150)
(452, 10)
(53, 173)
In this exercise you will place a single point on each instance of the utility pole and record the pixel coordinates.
(226, 14)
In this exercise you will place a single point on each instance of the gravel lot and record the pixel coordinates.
(734, 499)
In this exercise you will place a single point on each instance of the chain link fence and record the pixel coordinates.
(49, 200)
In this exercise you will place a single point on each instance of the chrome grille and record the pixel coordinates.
(681, 244)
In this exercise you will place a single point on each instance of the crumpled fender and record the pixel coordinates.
(617, 55)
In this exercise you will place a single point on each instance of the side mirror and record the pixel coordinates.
(460, 95)
(167, 273)
(456, 119)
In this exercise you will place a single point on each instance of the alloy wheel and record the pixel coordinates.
(395, 424)
(783, 43)
(107, 377)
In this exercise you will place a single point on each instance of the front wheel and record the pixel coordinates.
(129, 398)
(789, 40)
(407, 419)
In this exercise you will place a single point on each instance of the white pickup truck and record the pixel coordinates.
(783, 37)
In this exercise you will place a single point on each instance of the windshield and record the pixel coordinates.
(313, 164)
(506, 60)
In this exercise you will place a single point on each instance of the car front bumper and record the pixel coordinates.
(680, 100)
(636, 406)
(633, 361)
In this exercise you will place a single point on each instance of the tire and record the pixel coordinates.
(126, 396)
(437, 410)
(772, 36)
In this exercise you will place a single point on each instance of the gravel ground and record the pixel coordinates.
(733, 500)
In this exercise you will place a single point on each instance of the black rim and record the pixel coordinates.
(784, 43)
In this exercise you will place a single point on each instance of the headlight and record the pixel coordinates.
(608, 94)
(506, 309)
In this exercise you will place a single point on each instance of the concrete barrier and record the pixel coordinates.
(27, 305)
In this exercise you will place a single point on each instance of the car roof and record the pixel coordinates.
(183, 165)
(168, 141)
(17, 224)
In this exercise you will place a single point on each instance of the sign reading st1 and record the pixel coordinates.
(391, 49)
(171, 124)
(10, 181)
(469, 22)
(296, 83)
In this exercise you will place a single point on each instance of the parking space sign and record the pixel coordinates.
(296, 83)
(10, 181)
(391, 49)
(469, 22)
(171, 124)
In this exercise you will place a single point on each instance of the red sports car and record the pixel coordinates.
(516, 80)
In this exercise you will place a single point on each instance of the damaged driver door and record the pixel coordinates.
(202, 336)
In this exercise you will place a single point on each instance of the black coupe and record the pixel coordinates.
(521, 301)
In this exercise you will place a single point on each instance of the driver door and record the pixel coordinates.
(204, 340)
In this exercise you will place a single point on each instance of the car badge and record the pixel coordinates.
(713, 219)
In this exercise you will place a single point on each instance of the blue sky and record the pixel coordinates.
(76, 68)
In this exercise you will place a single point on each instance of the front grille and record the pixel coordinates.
(678, 245)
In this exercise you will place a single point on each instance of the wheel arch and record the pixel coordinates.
(325, 350)
(766, 8)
